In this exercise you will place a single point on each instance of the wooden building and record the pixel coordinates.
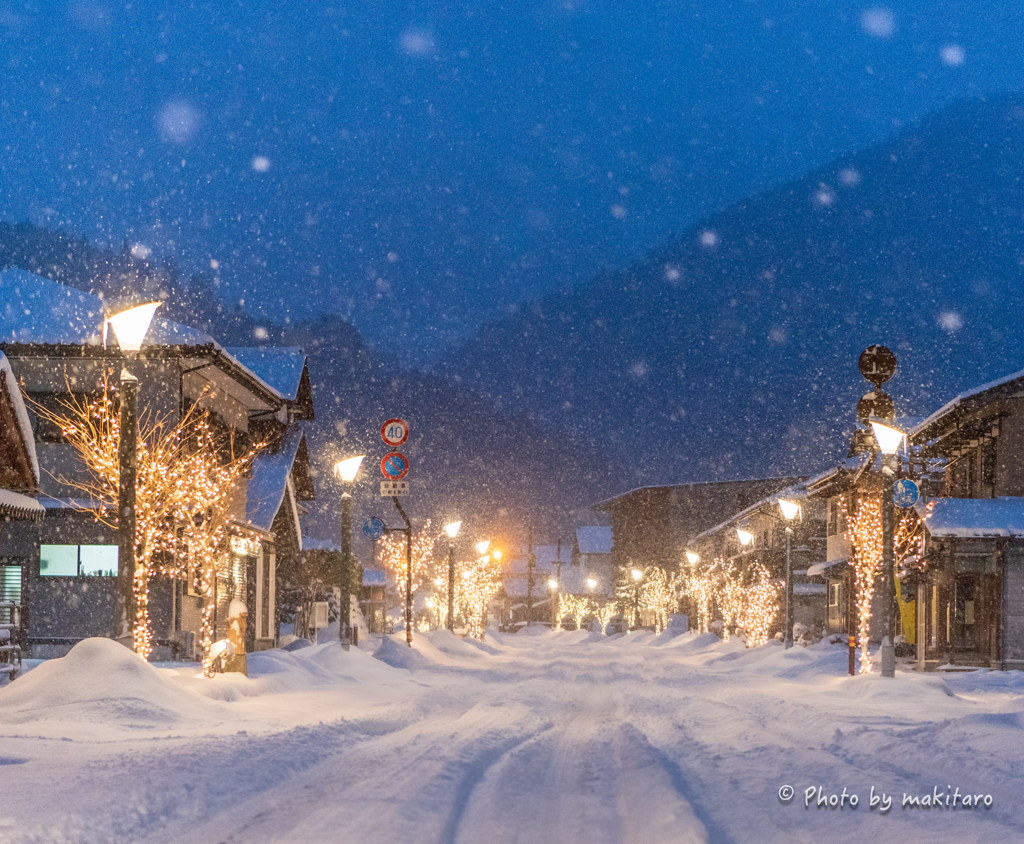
(970, 581)
(69, 560)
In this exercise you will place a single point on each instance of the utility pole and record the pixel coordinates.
(531, 566)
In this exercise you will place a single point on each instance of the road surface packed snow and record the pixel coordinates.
(534, 737)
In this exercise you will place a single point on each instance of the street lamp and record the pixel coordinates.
(591, 583)
(889, 438)
(346, 470)
(692, 558)
(790, 510)
(452, 529)
(481, 547)
(637, 577)
(745, 537)
(130, 328)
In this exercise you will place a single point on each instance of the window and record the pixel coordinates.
(78, 560)
(833, 517)
(833, 594)
(46, 431)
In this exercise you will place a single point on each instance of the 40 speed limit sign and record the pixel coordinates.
(394, 432)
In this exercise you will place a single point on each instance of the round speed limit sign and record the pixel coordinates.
(394, 432)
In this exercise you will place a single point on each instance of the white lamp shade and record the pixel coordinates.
(131, 326)
(692, 558)
(452, 529)
(889, 437)
(552, 583)
(347, 469)
(746, 537)
(637, 574)
(481, 547)
(790, 509)
(591, 583)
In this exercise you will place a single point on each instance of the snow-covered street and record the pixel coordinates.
(564, 737)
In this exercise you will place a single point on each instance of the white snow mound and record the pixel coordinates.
(100, 680)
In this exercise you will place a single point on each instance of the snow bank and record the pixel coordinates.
(102, 681)
(450, 644)
(400, 655)
(354, 665)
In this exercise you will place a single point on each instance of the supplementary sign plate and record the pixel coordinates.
(394, 432)
(390, 488)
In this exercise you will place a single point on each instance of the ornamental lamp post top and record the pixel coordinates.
(347, 469)
(131, 326)
(889, 436)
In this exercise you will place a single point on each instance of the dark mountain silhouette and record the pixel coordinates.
(500, 475)
(733, 351)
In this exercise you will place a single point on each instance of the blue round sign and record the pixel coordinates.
(373, 528)
(905, 493)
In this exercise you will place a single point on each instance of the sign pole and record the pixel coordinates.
(408, 571)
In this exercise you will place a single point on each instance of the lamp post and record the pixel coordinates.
(452, 529)
(790, 510)
(130, 328)
(637, 577)
(889, 439)
(346, 470)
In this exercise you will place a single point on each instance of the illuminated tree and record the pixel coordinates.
(748, 603)
(864, 528)
(700, 584)
(760, 607)
(184, 486)
(659, 595)
(393, 558)
(576, 606)
(476, 584)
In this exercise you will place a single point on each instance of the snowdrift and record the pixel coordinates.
(102, 681)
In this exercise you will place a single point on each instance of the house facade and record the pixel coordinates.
(69, 560)
(653, 526)
(754, 539)
(19, 484)
(969, 583)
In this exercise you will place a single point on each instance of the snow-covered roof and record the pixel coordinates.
(573, 581)
(20, 506)
(791, 493)
(310, 544)
(809, 589)
(819, 569)
(20, 413)
(603, 505)
(964, 397)
(972, 517)
(594, 540)
(38, 310)
(375, 577)
(269, 482)
(280, 367)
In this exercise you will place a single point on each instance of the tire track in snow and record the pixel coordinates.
(408, 785)
(590, 779)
